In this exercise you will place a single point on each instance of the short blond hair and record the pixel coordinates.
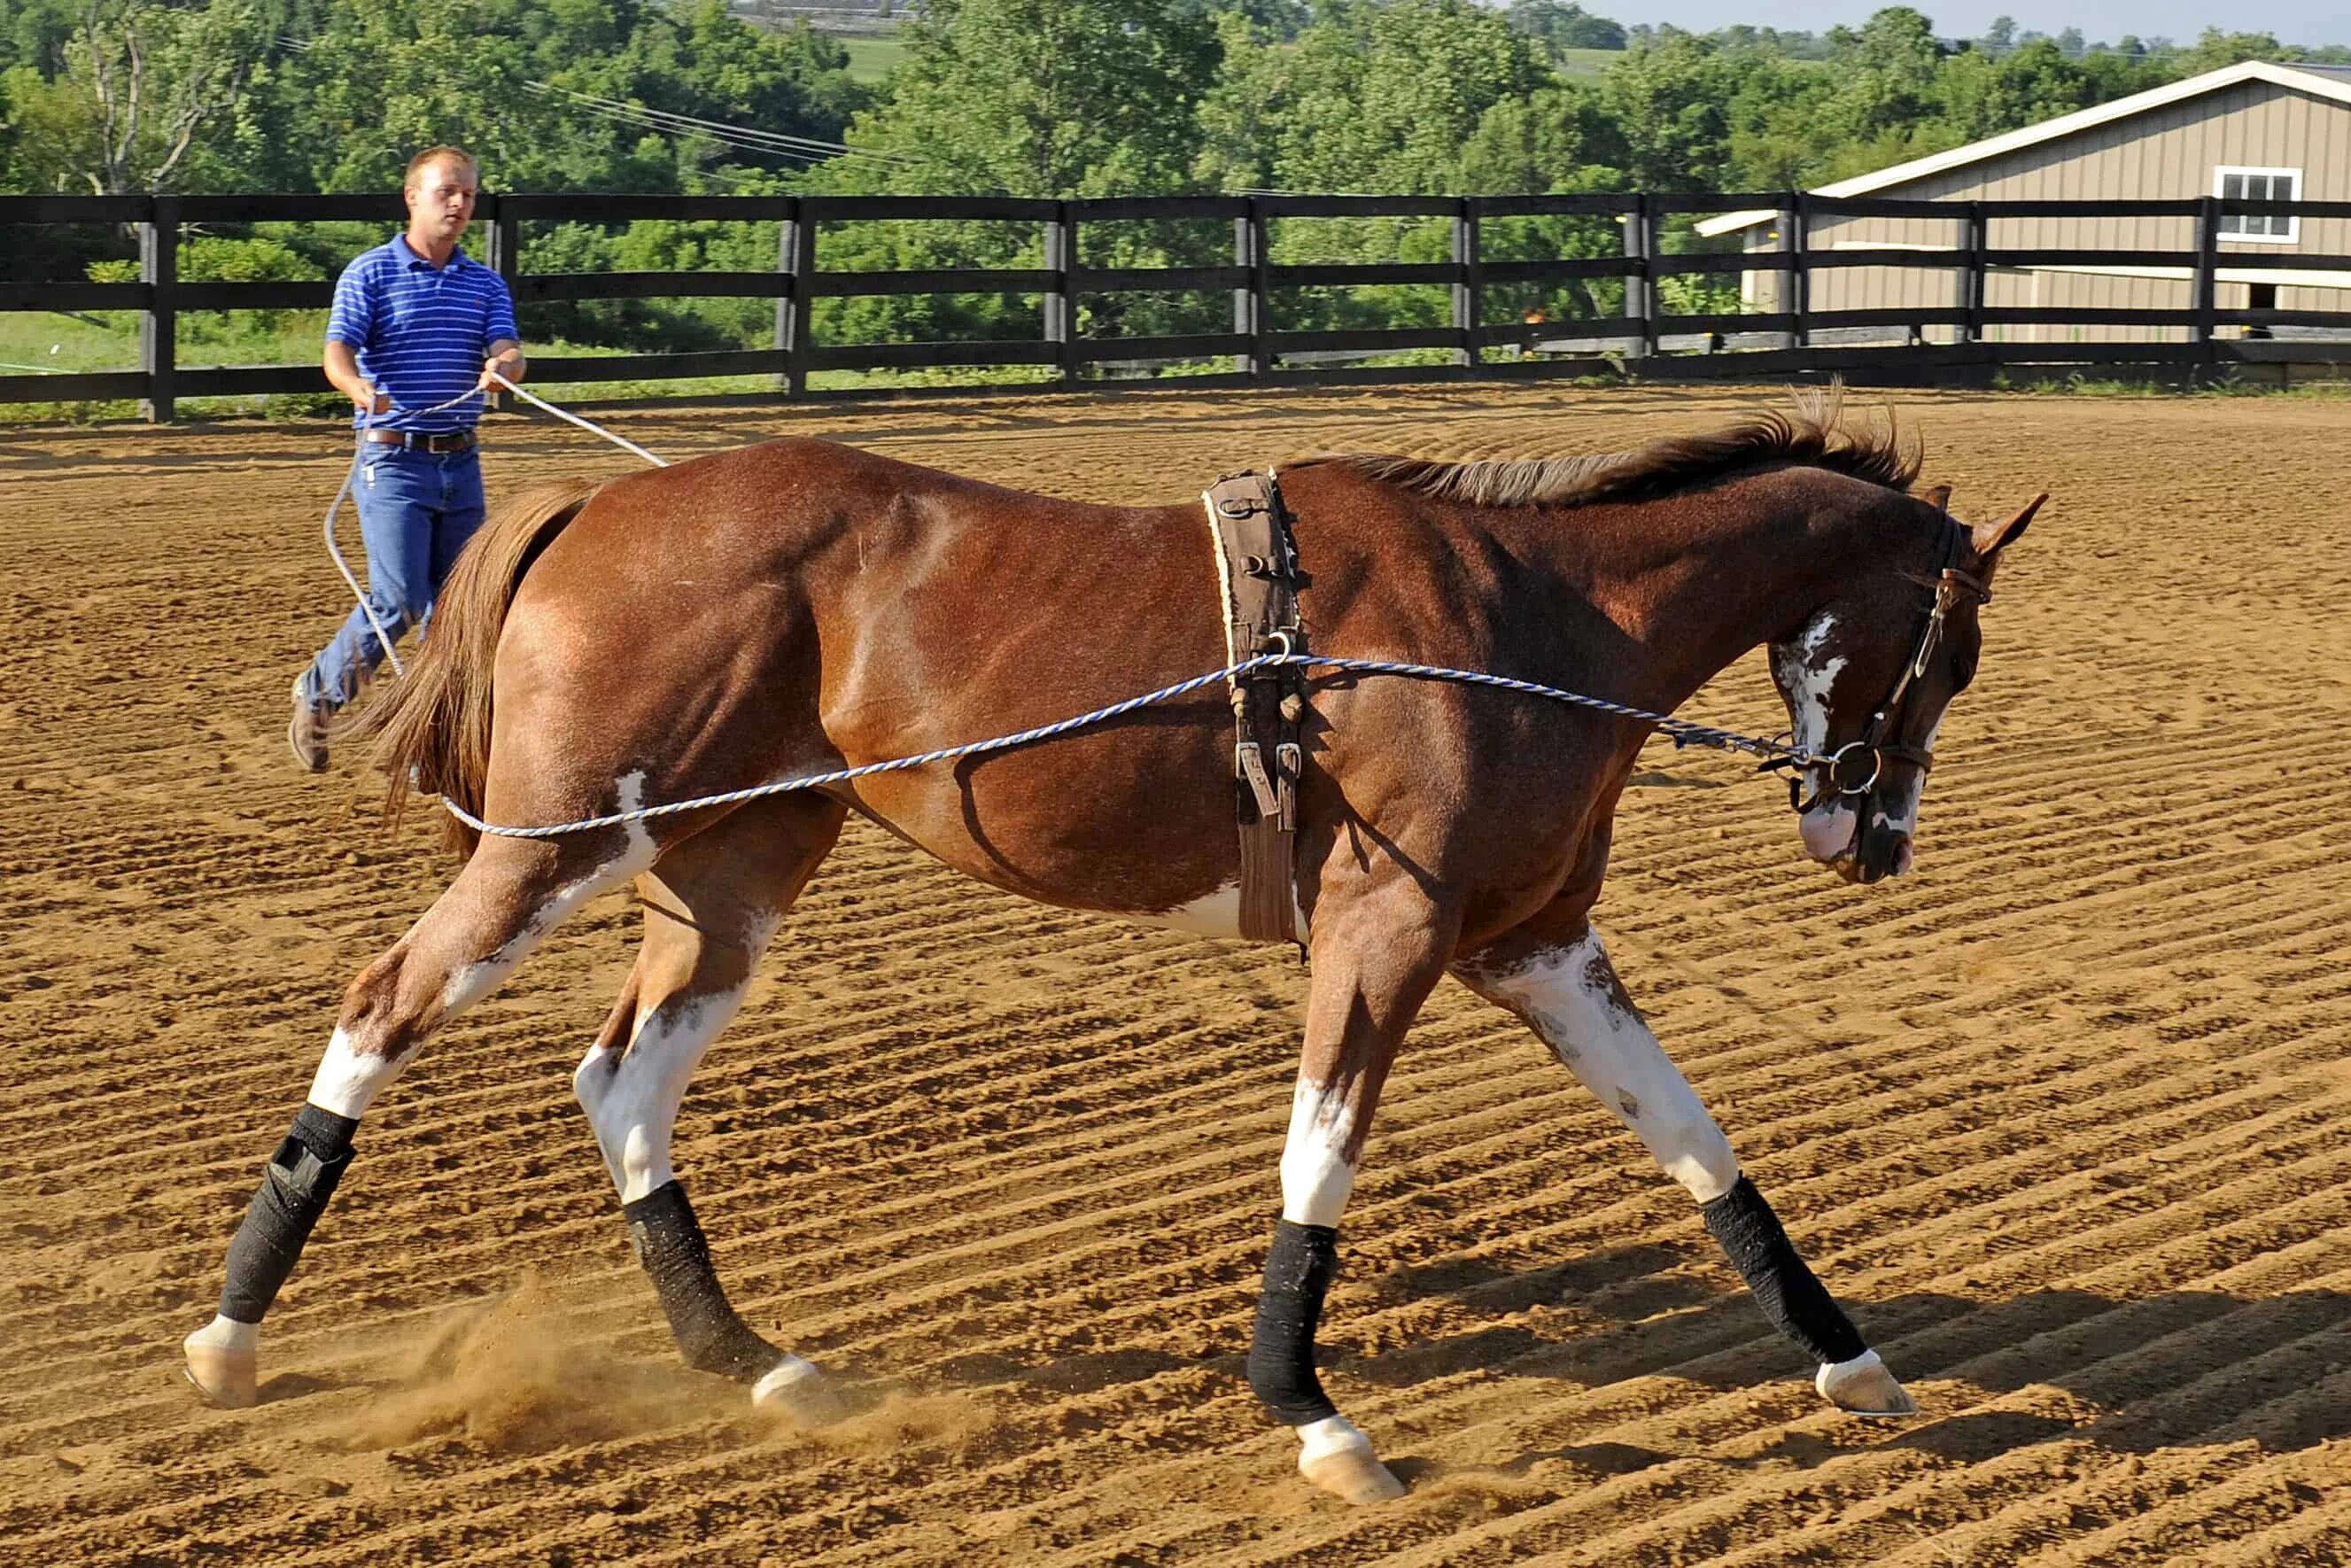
(443, 153)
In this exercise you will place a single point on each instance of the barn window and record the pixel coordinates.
(2231, 184)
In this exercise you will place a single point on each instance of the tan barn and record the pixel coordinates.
(2256, 131)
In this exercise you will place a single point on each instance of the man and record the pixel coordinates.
(416, 322)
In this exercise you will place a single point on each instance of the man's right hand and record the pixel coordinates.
(367, 397)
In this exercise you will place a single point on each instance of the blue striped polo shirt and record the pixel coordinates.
(421, 331)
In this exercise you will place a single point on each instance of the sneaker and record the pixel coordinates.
(308, 732)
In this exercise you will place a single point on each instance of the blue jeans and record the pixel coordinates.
(417, 509)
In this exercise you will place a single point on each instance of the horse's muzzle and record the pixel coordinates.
(1880, 850)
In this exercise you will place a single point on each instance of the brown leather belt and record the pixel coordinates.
(421, 440)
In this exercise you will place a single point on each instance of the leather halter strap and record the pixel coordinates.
(1952, 587)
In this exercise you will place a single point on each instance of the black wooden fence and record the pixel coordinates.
(1259, 351)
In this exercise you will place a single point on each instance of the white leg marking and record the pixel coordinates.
(1331, 1435)
(789, 1372)
(227, 1334)
(1316, 1174)
(1572, 999)
(632, 1096)
(348, 1079)
(472, 983)
(631, 1102)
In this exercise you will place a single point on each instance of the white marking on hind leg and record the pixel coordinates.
(1572, 998)
(632, 1096)
(1317, 1177)
(471, 983)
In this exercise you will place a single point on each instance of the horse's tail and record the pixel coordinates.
(430, 728)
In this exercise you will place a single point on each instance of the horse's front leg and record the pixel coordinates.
(1375, 961)
(1564, 988)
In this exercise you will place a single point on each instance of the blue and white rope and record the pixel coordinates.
(358, 457)
(1683, 731)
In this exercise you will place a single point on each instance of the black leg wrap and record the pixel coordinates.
(1798, 1305)
(711, 1335)
(1281, 1355)
(295, 1186)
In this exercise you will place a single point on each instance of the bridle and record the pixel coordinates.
(1855, 768)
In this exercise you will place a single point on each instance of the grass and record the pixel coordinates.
(2230, 385)
(34, 340)
(871, 58)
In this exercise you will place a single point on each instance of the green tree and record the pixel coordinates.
(1561, 25)
(1373, 98)
(1039, 97)
(1671, 98)
(137, 84)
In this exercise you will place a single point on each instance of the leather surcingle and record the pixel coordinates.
(1258, 582)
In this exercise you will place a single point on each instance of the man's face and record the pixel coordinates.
(440, 199)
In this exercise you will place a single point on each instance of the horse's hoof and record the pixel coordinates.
(1864, 1387)
(1339, 1458)
(228, 1376)
(798, 1390)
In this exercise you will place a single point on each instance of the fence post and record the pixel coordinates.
(159, 329)
(1972, 282)
(1061, 296)
(2208, 275)
(1469, 289)
(1783, 284)
(1799, 272)
(1252, 304)
(506, 260)
(796, 258)
(1640, 283)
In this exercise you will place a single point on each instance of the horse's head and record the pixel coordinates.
(1866, 679)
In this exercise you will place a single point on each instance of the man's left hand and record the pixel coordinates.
(508, 365)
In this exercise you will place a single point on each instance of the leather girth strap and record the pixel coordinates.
(1258, 576)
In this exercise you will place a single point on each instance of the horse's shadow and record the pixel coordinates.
(2131, 1373)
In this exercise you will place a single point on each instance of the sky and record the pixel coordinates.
(2294, 21)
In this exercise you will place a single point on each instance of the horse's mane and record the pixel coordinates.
(1816, 434)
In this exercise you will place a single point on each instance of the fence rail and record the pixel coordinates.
(1259, 349)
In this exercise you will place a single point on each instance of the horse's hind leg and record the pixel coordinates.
(510, 894)
(1563, 985)
(712, 903)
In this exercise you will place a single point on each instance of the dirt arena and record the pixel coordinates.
(2061, 1117)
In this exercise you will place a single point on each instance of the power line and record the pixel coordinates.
(745, 139)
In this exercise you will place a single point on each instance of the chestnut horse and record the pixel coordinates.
(786, 608)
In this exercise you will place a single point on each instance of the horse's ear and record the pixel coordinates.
(1938, 496)
(1990, 538)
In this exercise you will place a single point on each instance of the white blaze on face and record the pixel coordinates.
(1572, 998)
(1316, 1174)
(1807, 675)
